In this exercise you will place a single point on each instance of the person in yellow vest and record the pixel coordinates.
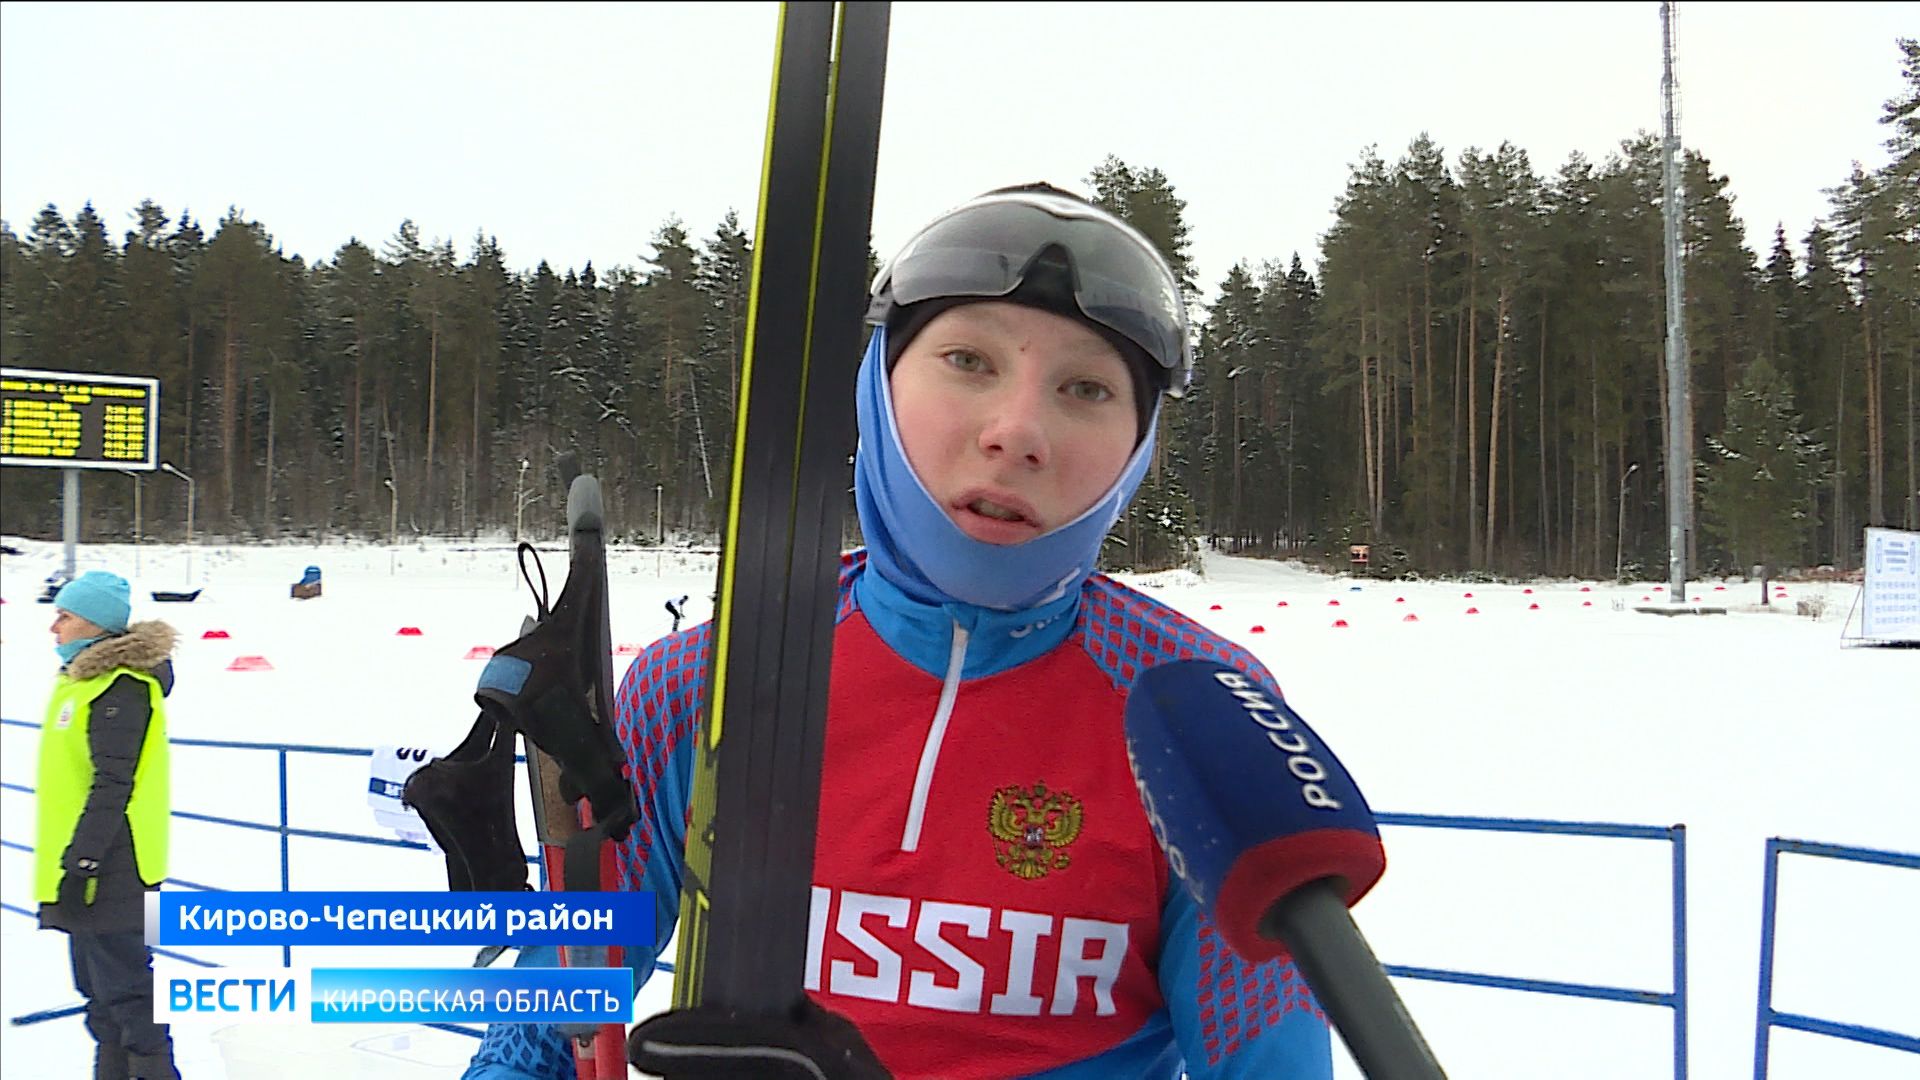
(102, 814)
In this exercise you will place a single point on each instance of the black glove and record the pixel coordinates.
(711, 1042)
(81, 880)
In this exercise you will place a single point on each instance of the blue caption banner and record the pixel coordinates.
(528, 995)
(400, 918)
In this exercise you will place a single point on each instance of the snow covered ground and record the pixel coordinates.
(1742, 727)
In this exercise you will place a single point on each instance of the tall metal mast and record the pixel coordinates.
(1679, 405)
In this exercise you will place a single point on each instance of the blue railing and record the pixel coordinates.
(1676, 999)
(286, 830)
(1769, 1017)
(72, 1010)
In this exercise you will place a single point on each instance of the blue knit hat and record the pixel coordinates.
(98, 597)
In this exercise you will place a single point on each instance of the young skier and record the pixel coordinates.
(988, 899)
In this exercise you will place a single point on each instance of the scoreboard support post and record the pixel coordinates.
(70, 516)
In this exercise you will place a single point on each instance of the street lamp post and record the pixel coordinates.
(168, 467)
(519, 498)
(659, 533)
(522, 499)
(1620, 533)
(135, 517)
(393, 527)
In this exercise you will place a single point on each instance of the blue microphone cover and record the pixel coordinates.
(1244, 798)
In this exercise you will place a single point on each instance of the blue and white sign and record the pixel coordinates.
(519, 995)
(1890, 606)
(527, 995)
(187, 993)
(177, 918)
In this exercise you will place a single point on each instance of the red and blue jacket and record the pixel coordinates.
(988, 899)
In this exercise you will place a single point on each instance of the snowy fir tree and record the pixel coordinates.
(1760, 471)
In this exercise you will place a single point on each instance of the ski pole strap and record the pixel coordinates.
(465, 799)
(547, 707)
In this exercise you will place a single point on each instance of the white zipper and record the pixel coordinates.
(930, 753)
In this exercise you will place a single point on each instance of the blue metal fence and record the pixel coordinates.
(1676, 999)
(285, 829)
(1676, 835)
(1769, 1017)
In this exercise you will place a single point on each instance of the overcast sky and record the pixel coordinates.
(572, 132)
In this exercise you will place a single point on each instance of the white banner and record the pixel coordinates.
(1891, 607)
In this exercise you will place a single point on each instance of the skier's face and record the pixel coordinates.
(1016, 419)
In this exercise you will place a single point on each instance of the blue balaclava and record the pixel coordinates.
(914, 544)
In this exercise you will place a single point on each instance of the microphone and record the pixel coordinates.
(1273, 840)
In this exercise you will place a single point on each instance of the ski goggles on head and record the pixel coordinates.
(989, 247)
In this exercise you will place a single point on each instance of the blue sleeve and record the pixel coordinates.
(653, 717)
(524, 1051)
(1234, 1019)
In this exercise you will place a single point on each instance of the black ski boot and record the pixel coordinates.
(110, 1062)
(152, 1066)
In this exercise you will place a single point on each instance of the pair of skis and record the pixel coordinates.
(756, 772)
(756, 787)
